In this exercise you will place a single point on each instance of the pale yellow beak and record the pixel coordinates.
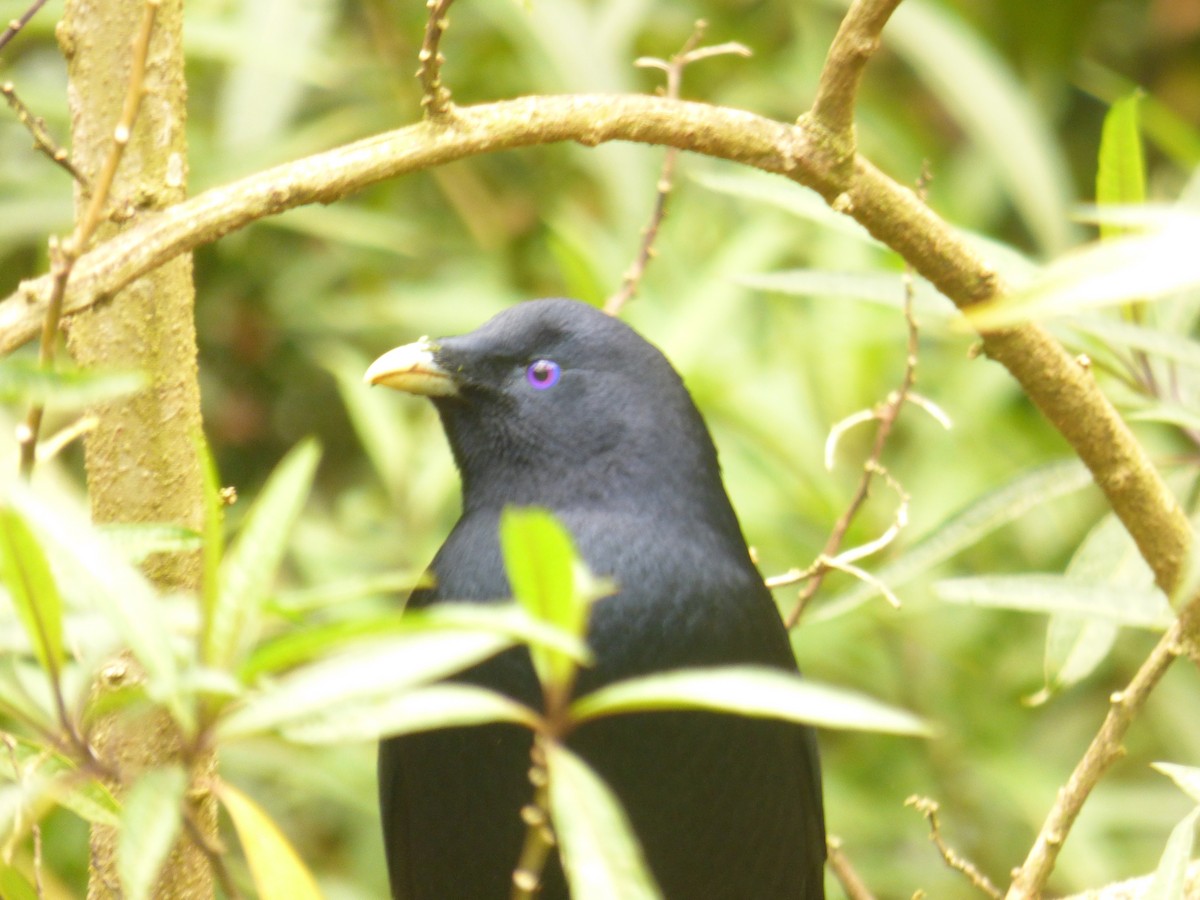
(412, 369)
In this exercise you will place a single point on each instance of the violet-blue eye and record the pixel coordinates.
(543, 373)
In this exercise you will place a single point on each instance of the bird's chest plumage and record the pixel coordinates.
(716, 799)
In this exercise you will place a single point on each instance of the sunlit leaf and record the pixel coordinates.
(25, 573)
(59, 779)
(600, 853)
(548, 580)
(23, 380)
(150, 822)
(1143, 266)
(749, 691)
(249, 567)
(110, 585)
(1059, 594)
(419, 709)
(1186, 778)
(1029, 490)
(1152, 341)
(136, 541)
(1121, 171)
(1170, 878)
(14, 885)
(277, 870)
(378, 669)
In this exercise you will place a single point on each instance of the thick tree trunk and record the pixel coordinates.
(142, 464)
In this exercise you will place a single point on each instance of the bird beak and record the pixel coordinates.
(413, 369)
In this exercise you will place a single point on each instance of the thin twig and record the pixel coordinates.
(17, 24)
(690, 52)
(886, 416)
(852, 884)
(856, 41)
(929, 809)
(435, 95)
(42, 139)
(539, 836)
(1104, 750)
(63, 255)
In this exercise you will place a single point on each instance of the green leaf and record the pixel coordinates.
(549, 581)
(1121, 171)
(994, 108)
(600, 853)
(136, 541)
(748, 691)
(1186, 778)
(213, 541)
(106, 583)
(276, 869)
(378, 669)
(883, 288)
(1142, 266)
(1115, 333)
(58, 777)
(14, 885)
(150, 822)
(249, 568)
(1029, 490)
(1040, 593)
(24, 381)
(1170, 878)
(25, 573)
(420, 709)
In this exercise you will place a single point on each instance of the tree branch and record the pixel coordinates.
(1104, 750)
(856, 41)
(1066, 394)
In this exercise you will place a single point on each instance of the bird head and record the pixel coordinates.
(554, 403)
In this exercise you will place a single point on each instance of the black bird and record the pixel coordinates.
(552, 403)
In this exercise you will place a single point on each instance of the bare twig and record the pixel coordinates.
(1104, 750)
(17, 24)
(42, 139)
(435, 95)
(886, 416)
(691, 52)
(852, 884)
(856, 41)
(64, 255)
(929, 809)
(539, 836)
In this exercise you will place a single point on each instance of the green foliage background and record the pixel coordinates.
(1004, 101)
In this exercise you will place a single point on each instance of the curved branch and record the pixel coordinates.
(855, 43)
(1064, 391)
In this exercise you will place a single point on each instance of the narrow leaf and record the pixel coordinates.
(600, 853)
(26, 575)
(1061, 594)
(14, 885)
(275, 867)
(1170, 878)
(749, 691)
(379, 669)
(250, 566)
(420, 709)
(213, 538)
(1029, 490)
(1187, 778)
(150, 822)
(1121, 171)
(541, 564)
(106, 583)
(24, 381)
(135, 541)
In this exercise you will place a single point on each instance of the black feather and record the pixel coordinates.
(724, 806)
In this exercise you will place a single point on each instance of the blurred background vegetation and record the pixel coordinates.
(783, 318)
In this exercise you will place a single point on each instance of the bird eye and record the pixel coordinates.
(543, 373)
